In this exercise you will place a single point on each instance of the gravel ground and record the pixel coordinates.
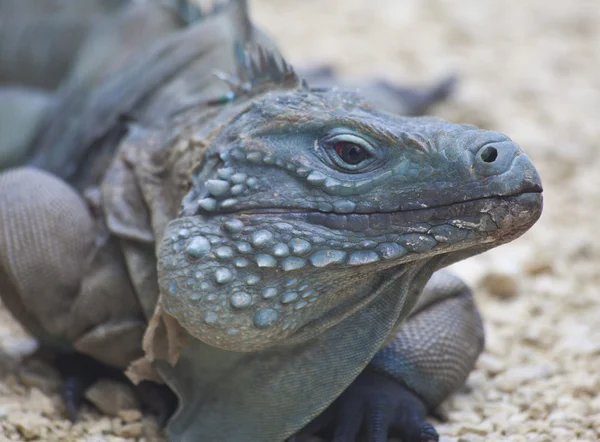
(530, 68)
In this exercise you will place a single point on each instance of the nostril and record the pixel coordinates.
(489, 154)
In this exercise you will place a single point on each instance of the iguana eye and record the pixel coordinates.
(351, 153)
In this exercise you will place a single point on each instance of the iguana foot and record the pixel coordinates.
(373, 408)
(158, 399)
(79, 372)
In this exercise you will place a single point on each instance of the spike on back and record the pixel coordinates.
(260, 66)
(260, 70)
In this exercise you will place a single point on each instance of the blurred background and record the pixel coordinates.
(528, 68)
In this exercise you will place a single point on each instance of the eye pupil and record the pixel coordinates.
(350, 153)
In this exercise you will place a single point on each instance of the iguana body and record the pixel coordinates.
(277, 239)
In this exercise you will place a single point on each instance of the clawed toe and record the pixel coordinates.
(372, 409)
(79, 372)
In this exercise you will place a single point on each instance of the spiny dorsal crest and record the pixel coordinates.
(260, 70)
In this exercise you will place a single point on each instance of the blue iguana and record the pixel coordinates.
(182, 204)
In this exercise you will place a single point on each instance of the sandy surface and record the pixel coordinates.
(530, 68)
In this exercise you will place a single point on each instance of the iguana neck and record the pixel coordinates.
(236, 381)
(164, 158)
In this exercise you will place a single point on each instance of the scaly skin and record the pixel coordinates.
(277, 240)
(307, 248)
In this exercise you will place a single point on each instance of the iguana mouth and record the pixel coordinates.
(522, 216)
(359, 222)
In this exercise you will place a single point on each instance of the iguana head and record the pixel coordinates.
(305, 202)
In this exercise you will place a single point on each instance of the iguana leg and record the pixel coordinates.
(428, 358)
(65, 280)
(46, 236)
